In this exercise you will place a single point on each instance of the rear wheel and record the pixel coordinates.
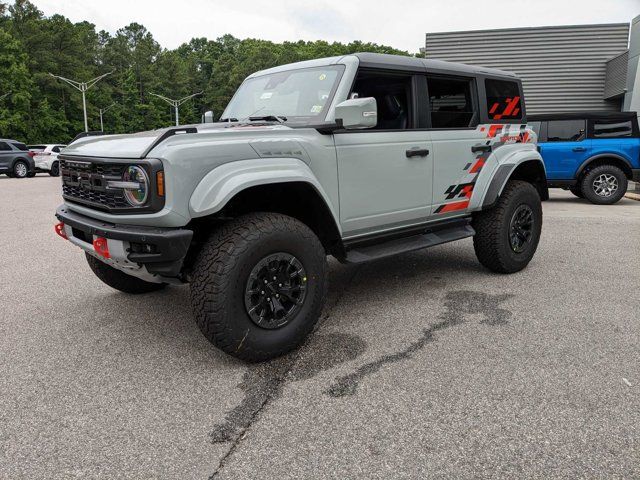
(120, 280)
(20, 169)
(507, 235)
(258, 285)
(55, 169)
(604, 185)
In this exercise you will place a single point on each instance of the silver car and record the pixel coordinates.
(15, 159)
(360, 157)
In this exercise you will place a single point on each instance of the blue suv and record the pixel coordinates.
(591, 154)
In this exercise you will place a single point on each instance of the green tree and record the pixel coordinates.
(14, 81)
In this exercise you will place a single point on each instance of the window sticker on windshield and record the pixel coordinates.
(316, 109)
(266, 95)
(322, 76)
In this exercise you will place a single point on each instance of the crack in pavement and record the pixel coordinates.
(264, 382)
(457, 305)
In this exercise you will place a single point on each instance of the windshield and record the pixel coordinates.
(299, 96)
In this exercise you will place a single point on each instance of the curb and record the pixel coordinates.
(633, 196)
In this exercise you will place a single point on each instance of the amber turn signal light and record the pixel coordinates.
(160, 183)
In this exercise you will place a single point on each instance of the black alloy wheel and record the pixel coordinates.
(521, 228)
(275, 290)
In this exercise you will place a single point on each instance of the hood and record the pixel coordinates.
(139, 145)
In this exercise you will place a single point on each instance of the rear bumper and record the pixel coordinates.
(168, 246)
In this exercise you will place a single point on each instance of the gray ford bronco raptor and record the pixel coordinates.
(359, 157)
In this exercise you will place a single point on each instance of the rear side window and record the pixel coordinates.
(451, 102)
(565, 130)
(503, 100)
(4, 146)
(612, 128)
(20, 146)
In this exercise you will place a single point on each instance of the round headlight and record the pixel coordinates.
(138, 196)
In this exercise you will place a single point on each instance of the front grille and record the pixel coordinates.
(86, 182)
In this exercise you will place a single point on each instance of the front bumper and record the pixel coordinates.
(168, 246)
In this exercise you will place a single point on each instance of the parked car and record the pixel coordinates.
(360, 156)
(15, 159)
(591, 154)
(46, 158)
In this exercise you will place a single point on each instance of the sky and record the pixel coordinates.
(398, 23)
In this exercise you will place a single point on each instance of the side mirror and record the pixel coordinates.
(207, 117)
(357, 113)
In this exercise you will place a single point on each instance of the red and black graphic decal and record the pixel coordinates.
(509, 108)
(502, 134)
(452, 207)
(461, 190)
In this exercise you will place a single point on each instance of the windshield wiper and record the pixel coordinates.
(269, 118)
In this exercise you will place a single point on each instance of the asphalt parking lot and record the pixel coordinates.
(423, 366)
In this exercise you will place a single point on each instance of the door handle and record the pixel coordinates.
(481, 148)
(579, 149)
(417, 152)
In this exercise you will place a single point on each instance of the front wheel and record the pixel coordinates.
(258, 285)
(120, 280)
(604, 185)
(507, 235)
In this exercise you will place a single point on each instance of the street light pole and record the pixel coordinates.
(176, 103)
(101, 112)
(82, 87)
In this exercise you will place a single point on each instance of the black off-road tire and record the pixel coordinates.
(588, 189)
(221, 274)
(492, 240)
(55, 169)
(120, 280)
(577, 191)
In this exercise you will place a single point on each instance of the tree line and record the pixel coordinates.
(37, 108)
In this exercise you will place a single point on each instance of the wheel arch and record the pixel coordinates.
(286, 186)
(605, 159)
(19, 159)
(530, 170)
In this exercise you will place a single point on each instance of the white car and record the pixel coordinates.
(46, 158)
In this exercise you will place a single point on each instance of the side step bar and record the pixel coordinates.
(409, 243)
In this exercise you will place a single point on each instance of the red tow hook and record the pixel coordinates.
(59, 228)
(101, 247)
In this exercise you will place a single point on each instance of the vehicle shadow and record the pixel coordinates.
(165, 318)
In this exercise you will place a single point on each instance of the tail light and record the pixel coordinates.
(31, 154)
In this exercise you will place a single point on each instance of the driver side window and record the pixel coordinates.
(393, 97)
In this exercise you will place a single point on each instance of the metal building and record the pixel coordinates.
(563, 69)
